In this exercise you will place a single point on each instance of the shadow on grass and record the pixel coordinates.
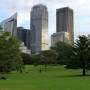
(70, 76)
(75, 76)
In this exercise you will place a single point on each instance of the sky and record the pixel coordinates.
(81, 10)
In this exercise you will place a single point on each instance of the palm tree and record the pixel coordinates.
(82, 51)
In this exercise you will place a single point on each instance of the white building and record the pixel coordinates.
(60, 36)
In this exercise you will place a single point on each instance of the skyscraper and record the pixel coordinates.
(64, 22)
(39, 28)
(10, 25)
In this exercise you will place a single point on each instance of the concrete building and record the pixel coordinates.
(24, 36)
(39, 28)
(64, 22)
(60, 36)
(10, 25)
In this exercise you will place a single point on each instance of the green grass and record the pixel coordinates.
(53, 78)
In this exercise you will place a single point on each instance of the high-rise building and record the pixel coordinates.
(23, 35)
(64, 22)
(39, 28)
(10, 25)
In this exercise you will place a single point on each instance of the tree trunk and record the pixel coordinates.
(84, 72)
(84, 67)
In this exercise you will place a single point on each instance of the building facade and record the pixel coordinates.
(23, 35)
(64, 22)
(10, 25)
(59, 37)
(39, 28)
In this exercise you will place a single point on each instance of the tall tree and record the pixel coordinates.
(82, 52)
(10, 58)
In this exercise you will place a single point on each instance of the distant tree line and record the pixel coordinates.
(72, 57)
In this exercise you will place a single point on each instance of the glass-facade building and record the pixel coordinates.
(10, 25)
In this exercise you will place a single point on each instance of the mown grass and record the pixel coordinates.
(52, 78)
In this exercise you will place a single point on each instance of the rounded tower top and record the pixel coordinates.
(39, 6)
(39, 12)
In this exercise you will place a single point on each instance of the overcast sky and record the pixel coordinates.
(23, 7)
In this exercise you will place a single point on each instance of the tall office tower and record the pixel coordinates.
(10, 25)
(64, 22)
(39, 28)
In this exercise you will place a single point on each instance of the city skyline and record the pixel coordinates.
(23, 7)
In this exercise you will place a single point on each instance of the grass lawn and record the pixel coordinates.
(53, 78)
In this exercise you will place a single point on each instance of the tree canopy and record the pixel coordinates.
(82, 51)
(64, 52)
(10, 58)
(48, 57)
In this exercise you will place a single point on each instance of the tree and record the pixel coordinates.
(35, 58)
(81, 52)
(0, 28)
(64, 52)
(27, 59)
(48, 57)
(10, 58)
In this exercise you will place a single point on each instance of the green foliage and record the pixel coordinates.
(27, 59)
(0, 28)
(35, 58)
(48, 57)
(45, 57)
(64, 52)
(10, 58)
(81, 51)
